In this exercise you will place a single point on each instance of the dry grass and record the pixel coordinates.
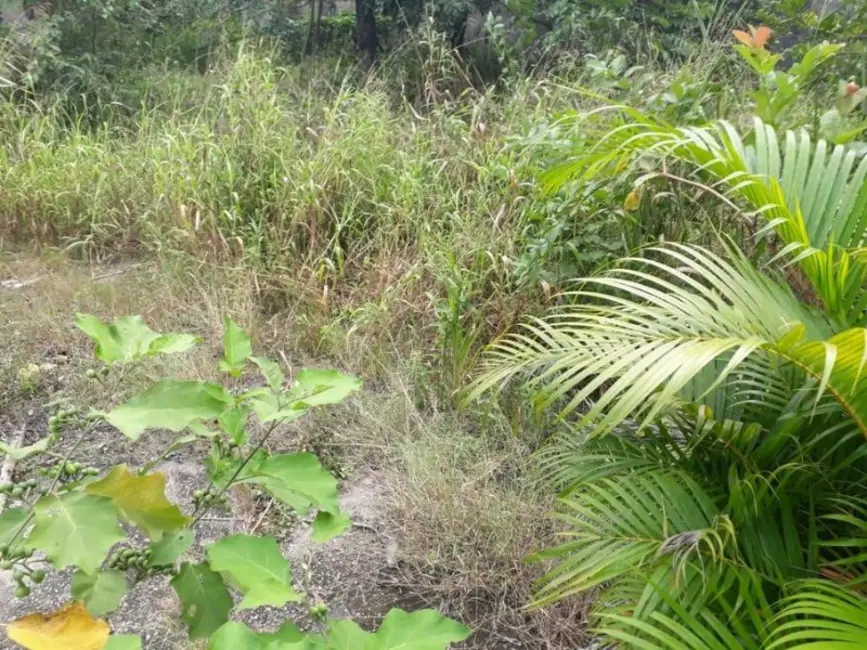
(462, 497)
(467, 509)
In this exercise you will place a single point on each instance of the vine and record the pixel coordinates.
(70, 514)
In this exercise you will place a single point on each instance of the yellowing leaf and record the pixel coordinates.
(633, 200)
(71, 628)
(141, 499)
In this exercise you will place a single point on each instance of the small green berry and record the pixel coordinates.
(38, 576)
(90, 374)
(6, 565)
(17, 491)
(22, 592)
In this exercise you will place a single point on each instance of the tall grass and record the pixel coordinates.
(342, 191)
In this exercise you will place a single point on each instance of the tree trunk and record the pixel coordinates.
(308, 45)
(365, 21)
(319, 12)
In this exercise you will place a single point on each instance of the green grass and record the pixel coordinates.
(357, 210)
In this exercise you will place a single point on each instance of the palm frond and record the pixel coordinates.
(820, 615)
(631, 344)
(812, 194)
(617, 526)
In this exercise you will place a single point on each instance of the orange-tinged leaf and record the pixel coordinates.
(761, 36)
(743, 37)
(71, 627)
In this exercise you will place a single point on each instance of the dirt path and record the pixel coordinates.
(344, 573)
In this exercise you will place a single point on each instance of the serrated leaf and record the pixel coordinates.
(237, 636)
(425, 629)
(170, 548)
(20, 453)
(328, 526)
(70, 627)
(318, 387)
(205, 601)
(142, 500)
(123, 642)
(257, 567)
(75, 529)
(298, 480)
(171, 405)
(100, 592)
(10, 521)
(271, 371)
(236, 348)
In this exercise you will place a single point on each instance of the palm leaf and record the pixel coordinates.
(821, 615)
(812, 194)
(631, 343)
(617, 526)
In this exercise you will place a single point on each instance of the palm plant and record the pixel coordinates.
(712, 475)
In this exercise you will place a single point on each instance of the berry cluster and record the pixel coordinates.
(138, 560)
(21, 489)
(16, 559)
(208, 497)
(94, 374)
(68, 471)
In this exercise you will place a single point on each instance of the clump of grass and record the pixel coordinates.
(466, 509)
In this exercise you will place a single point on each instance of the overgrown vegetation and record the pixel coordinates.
(599, 258)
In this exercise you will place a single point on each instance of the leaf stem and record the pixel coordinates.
(198, 515)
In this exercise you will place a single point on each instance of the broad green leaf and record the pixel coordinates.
(123, 642)
(173, 343)
(318, 387)
(70, 628)
(141, 499)
(170, 548)
(200, 430)
(237, 636)
(75, 529)
(346, 635)
(126, 339)
(425, 629)
(205, 601)
(171, 405)
(10, 521)
(100, 592)
(233, 423)
(236, 348)
(298, 480)
(256, 566)
(327, 526)
(270, 371)
(19, 453)
(269, 406)
(129, 338)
